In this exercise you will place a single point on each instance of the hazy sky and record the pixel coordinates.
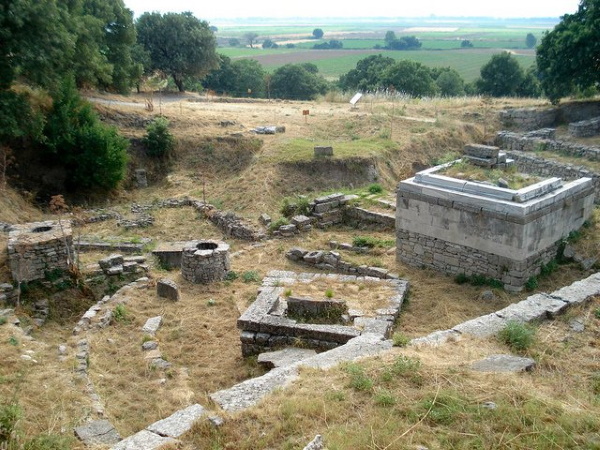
(209, 10)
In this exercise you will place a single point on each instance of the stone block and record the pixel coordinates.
(284, 357)
(152, 325)
(320, 152)
(503, 363)
(111, 261)
(98, 432)
(481, 151)
(144, 440)
(179, 422)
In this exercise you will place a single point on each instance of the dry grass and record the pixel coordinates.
(202, 342)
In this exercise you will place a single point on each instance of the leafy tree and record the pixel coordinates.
(501, 76)
(332, 44)
(568, 57)
(221, 80)
(317, 33)
(411, 78)
(248, 74)
(234, 42)
(250, 38)
(367, 76)
(158, 140)
(449, 82)
(390, 37)
(404, 43)
(293, 81)
(268, 43)
(530, 86)
(530, 40)
(466, 44)
(94, 155)
(180, 45)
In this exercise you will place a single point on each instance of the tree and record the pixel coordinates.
(248, 74)
(367, 75)
(158, 140)
(293, 81)
(449, 82)
(93, 154)
(332, 44)
(568, 57)
(179, 45)
(221, 80)
(234, 42)
(390, 37)
(530, 40)
(501, 76)
(250, 38)
(411, 78)
(317, 33)
(466, 44)
(268, 43)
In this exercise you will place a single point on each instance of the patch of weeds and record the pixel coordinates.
(120, 313)
(278, 223)
(3, 320)
(400, 340)
(405, 364)
(299, 205)
(358, 379)
(53, 275)
(531, 284)
(375, 188)
(338, 396)
(231, 276)
(547, 269)
(9, 416)
(250, 276)
(385, 398)
(478, 280)
(13, 341)
(147, 338)
(329, 293)
(518, 336)
(597, 313)
(287, 292)
(211, 302)
(595, 383)
(371, 242)
(444, 409)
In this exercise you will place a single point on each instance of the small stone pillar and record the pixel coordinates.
(321, 152)
(141, 178)
(203, 262)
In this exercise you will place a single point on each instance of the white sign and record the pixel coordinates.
(356, 98)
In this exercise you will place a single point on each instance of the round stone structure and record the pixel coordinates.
(205, 261)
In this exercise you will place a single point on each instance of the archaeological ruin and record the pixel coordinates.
(475, 228)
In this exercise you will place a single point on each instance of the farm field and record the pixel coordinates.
(441, 43)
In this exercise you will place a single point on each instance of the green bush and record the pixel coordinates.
(531, 284)
(231, 276)
(120, 313)
(384, 398)
(358, 379)
(518, 336)
(9, 416)
(400, 340)
(158, 140)
(375, 188)
(250, 276)
(278, 223)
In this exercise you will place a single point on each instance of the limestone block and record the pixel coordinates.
(152, 325)
(503, 363)
(167, 289)
(481, 151)
(111, 261)
(179, 422)
(98, 432)
(144, 440)
(323, 151)
(284, 357)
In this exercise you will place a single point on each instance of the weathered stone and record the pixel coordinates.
(167, 289)
(111, 261)
(152, 325)
(285, 357)
(150, 345)
(205, 261)
(98, 432)
(323, 151)
(144, 440)
(316, 444)
(503, 363)
(179, 422)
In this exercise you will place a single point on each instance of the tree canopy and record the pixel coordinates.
(367, 74)
(568, 57)
(501, 76)
(295, 82)
(317, 33)
(180, 45)
(409, 77)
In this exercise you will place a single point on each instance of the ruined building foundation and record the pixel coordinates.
(463, 227)
(205, 261)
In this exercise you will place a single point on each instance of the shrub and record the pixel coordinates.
(120, 313)
(358, 379)
(3, 320)
(375, 188)
(231, 276)
(518, 336)
(278, 223)
(597, 313)
(329, 293)
(400, 340)
(385, 398)
(9, 416)
(531, 284)
(250, 276)
(158, 140)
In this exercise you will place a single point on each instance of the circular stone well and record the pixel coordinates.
(205, 261)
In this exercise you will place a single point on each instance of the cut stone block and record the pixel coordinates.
(179, 422)
(285, 357)
(143, 440)
(503, 363)
(98, 432)
(167, 289)
(152, 325)
(169, 253)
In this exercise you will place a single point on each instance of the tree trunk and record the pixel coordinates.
(178, 82)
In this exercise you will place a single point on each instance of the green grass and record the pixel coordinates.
(518, 336)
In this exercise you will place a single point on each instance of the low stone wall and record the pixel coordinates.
(358, 217)
(530, 142)
(585, 128)
(38, 247)
(231, 224)
(539, 166)
(264, 325)
(328, 260)
(205, 261)
(534, 118)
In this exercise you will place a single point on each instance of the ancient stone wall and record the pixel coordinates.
(585, 128)
(39, 247)
(535, 118)
(532, 142)
(529, 163)
(205, 261)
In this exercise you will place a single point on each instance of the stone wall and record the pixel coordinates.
(531, 142)
(585, 128)
(38, 247)
(359, 217)
(535, 118)
(529, 163)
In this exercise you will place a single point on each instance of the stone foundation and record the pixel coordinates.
(457, 226)
(204, 262)
(39, 247)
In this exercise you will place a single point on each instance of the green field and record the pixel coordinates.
(441, 43)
